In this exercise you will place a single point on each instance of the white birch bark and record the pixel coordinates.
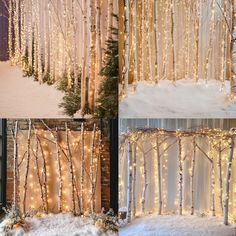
(159, 176)
(233, 52)
(10, 31)
(228, 178)
(109, 18)
(37, 170)
(92, 56)
(192, 175)
(27, 167)
(92, 169)
(134, 167)
(98, 48)
(71, 170)
(157, 63)
(126, 47)
(150, 41)
(180, 177)
(45, 191)
(84, 57)
(220, 178)
(145, 184)
(135, 39)
(15, 158)
(82, 169)
(129, 186)
(211, 35)
(59, 172)
(173, 40)
(197, 36)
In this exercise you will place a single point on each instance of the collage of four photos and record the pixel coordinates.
(117, 117)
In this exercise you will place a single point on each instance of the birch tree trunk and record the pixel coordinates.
(71, 169)
(39, 49)
(227, 182)
(17, 19)
(134, 167)
(27, 167)
(15, 158)
(213, 188)
(44, 175)
(197, 36)
(99, 48)
(37, 171)
(84, 58)
(233, 52)
(159, 177)
(126, 47)
(157, 63)
(180, 177)
(92, 169)
(82, 169)
(220, 179)
(211, 35)
(145, 183)
(150, 41)
(59, 172)
(10, 31)
(92, 56)
(129, 186)
(135, 35)
(143, 40)
(173, 40)
(74, 23)
(109, 18)
(223, 46)
(192, 175)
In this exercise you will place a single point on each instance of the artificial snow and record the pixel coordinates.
(174, 225)
(60, 225)
(185, 98)
(22, 97)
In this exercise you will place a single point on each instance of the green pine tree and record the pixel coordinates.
(107, 103)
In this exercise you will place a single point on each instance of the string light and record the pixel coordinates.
(33, 198)
(218, 144)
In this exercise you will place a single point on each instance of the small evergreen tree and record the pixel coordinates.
(72, 98)
(107, 103)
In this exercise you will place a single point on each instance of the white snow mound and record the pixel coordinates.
(184, 99)
(174, 225)
(61, 225)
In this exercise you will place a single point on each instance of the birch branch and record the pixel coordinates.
(71, 169)
(27, 168)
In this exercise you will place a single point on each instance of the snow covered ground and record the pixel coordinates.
(22, 97)
(185, 99)
(60, 225)
(173, 225)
